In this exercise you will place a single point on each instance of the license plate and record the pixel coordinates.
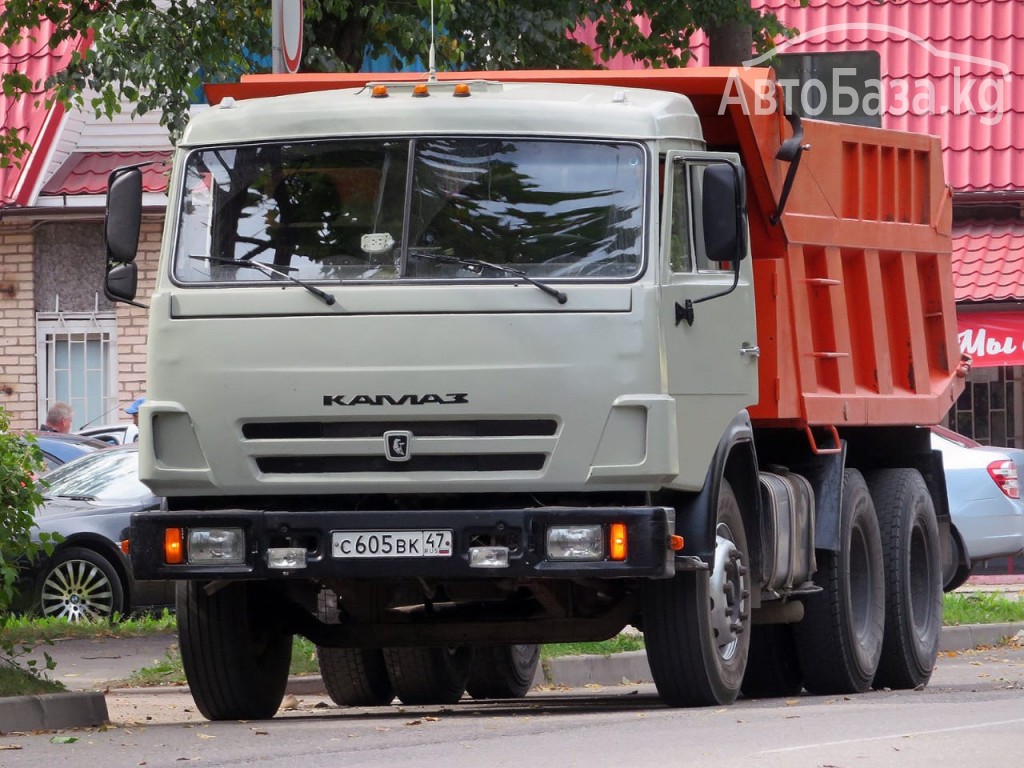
(348, 544)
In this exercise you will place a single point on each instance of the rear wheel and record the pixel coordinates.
(502, 671)
(428, 675)
(961, 568)
(355, 677)
(237, 668)
(773, 668)
(913, 577)
(696, 624)
(839, 640)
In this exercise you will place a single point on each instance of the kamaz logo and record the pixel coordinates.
(449, 398)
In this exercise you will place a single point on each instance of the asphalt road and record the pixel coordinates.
(971, 715)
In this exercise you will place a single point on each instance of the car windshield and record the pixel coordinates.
(103, 475)
(417, 209)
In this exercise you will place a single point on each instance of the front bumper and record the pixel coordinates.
(522, 531)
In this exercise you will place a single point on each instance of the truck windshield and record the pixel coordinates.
(371, 210)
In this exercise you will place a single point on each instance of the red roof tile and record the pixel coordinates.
(941, 44)
(29, 117)
(988, 261)
(85, 173)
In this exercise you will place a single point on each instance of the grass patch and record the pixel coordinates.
(15, 681)
(618, 644)
(981, 608)
(32, 630)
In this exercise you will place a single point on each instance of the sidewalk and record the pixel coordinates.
(88, 668)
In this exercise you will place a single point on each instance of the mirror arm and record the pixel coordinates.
(790, 151)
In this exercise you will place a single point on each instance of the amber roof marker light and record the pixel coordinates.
(461, 90)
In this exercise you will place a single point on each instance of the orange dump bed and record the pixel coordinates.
(855, 310)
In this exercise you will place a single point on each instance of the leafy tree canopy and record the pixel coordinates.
(157, 53)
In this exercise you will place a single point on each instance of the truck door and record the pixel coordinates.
(708, 326)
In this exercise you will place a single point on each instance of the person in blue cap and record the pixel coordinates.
(133, 409)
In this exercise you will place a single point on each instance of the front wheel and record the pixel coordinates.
(697, 624)
(237, 667)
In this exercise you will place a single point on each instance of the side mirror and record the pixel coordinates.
(121, 282)
(724, 205)
(124, 214)
(121, 233)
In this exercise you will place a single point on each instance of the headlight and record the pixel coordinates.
(216, 545)
(575, 542)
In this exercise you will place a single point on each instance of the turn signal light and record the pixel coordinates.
(617, 542)
(174, 550)
(676, 542)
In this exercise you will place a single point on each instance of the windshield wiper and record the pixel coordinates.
(478, 265)
(268, 270)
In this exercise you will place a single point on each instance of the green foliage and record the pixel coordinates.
(982, 608)
(156, 56)
(20, 460)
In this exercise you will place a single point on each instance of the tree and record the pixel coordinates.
(157, 53)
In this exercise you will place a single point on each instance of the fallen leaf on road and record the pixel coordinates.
(206, 736)
(10, 746)
(63, 739)
(289, 702)
(415, 722)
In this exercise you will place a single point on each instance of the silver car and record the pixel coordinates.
(983, 484)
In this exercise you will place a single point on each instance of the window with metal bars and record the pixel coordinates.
(76, 362)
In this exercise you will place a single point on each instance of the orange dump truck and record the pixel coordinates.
(445, 368)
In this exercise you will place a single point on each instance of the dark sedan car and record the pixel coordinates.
(59, 447)
(89, 501)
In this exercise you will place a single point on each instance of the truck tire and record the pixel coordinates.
(697, 624)
(355, 677)
(913, 577)
(961, 568)
(502, 671)
(773, 668)
(428, 675)
(236, 669)
(839, 640)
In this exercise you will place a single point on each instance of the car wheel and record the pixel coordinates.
(79, 584)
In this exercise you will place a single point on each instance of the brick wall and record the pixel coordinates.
(17, 324)
(19, 388)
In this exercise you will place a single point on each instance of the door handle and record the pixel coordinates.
(750, 352)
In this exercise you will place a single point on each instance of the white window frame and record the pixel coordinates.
(68, 370)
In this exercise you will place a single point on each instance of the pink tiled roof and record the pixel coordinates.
(988, 263)
(31, 119)
(924, 43)
(85, 173)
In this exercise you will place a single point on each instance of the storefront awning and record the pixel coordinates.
(992, 338)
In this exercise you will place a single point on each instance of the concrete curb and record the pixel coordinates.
(51, 711)
(89, 708)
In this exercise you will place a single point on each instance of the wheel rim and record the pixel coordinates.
(861, 589)
(921, 600)
(728, 593)
(77, 590)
